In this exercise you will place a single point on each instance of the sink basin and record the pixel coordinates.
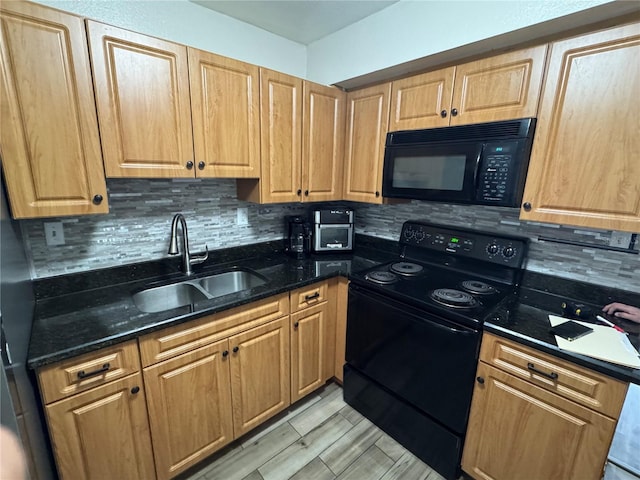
(230, 282)
(188, 292)
(167, 297)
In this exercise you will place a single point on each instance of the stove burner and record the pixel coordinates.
(406, 268)
(478, 287)
(453, 298)
(381, 277)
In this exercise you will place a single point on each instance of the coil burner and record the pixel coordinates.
(478, 287)
(406, 268)
(381, 277)
(454, 298)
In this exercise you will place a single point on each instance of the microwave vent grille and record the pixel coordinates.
(479, 131)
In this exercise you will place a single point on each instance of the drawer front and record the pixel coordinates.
(173, 341)
(308, 296)
(581, 385)
(81, 373)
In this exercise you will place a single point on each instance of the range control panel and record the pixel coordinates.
(486, 246)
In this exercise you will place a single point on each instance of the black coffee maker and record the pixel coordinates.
(298, 239)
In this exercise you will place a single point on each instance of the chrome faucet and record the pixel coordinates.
(187, 261)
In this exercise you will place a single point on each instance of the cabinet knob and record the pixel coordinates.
(377, 194)
(480, 380)
(306, 193)
(225, 353)
(299, 192)
(443, 114)
(189, 165)
(454, 112)
(296, 325)
(235, 349)
(97, 199)
(135, 390)
(201, 165)
(526, 206)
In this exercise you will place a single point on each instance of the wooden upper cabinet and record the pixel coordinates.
(366, 130)
(501, 87)
(422, 101)
(322, 142)
(585, 163)
(281, 134)
(225, 107)
(142, 94)
(49, 138)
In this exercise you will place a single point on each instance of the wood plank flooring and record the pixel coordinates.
(318, 438)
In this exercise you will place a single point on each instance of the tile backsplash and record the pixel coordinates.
(137, 229)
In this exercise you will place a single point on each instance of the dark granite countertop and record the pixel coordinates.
(524, 318)
(79, 313)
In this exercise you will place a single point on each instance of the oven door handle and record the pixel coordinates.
(450, 329)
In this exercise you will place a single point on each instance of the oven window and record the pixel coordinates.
(438, 172)
(334, 236)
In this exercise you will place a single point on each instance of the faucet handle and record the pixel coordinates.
(200, 259)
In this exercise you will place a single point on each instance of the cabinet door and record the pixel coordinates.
(520, 431)
(281, 134)
(584, 167)
(322, 142)
(422, 101)
(259, 374)
(308, 350)
(189, 401)
(225, 106)
(367, 122)
(49, 137)
(102, 433)
(503, 87)
(142, 93)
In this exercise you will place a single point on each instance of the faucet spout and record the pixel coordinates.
(187, 259)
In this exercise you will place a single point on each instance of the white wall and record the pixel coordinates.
(190, 24)
(410, 29)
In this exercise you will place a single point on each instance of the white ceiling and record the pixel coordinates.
(303, 21)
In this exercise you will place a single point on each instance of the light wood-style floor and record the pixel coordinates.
(319, 438)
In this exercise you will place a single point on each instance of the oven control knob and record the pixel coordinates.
(508, 252)
(492, 249)
(419, 236)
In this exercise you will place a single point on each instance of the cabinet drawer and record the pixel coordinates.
(582, 385)
(308, 296)
(78, 374)
(173, 341)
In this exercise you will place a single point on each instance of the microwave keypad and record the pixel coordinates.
(495, 177)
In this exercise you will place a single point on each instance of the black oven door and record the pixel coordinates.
(439, 172)
(425, 360)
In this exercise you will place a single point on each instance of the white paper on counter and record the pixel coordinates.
(604, 343)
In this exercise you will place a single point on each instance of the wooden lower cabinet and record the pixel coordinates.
(259, 374)
(189, 399)
(521, 431)
(103, 433)
(308, 347)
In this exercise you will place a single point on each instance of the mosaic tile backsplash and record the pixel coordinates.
(137, 229)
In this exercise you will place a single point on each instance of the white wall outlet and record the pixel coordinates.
(242, 216)
(620, 239)
(54, 233)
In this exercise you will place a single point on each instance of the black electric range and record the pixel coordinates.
(414, 331)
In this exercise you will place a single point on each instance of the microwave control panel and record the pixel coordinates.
(497, 170)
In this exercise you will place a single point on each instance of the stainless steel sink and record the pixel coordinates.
(188, 292)
(230, 282)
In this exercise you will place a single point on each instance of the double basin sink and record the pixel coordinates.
(188, 292)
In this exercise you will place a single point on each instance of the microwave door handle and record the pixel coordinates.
(477, 167)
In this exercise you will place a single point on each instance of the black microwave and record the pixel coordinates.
(484, 163)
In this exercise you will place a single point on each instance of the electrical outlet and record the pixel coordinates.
(54, 233)
(242, 216)
(620, 239)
